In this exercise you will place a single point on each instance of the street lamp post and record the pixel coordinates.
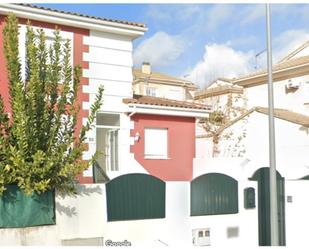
(272, 149)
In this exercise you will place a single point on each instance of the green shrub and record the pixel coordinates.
(40, 149)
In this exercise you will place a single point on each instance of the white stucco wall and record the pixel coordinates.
(167, 91)
(258, 96)
(85, 217)
(110, 64)
(294, 101)
(292, 145)
(296, 213)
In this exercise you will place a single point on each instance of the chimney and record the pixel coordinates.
(146, 68)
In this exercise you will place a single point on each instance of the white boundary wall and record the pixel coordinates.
(85, 217)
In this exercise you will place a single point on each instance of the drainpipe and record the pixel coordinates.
(134, 111)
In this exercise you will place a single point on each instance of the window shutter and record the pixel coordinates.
(156, 142)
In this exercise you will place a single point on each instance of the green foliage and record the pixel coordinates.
(40, 148)
(216, 118)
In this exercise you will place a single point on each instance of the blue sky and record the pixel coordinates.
(205, 41)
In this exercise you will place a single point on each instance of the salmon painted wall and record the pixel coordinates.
(181, 146)
(78, 49)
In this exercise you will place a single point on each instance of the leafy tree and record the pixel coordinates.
(40, 148)
(222, 115)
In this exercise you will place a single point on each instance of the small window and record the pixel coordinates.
(200, 234)
(108, 119)
(156, 143)
(151, 91)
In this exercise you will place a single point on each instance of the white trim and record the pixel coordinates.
(72, 20)
(156, 158)
(110, 48)
(166, 110)
(239, 82)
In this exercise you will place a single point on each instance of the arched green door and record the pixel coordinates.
(134, 197)
(214, 193)
(262, 177)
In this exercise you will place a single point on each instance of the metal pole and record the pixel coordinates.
(272, 149)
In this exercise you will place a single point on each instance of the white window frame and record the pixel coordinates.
(147, 151)
(111, 128)
(49, 33)
(151, 91)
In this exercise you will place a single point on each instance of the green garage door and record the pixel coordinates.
(135, 196)
(214, 193)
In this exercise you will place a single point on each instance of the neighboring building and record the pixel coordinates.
(242, 143)
(104, 50)
(164, 189)
(155, 84)
(163, 135)
(291, 85)
(220, 92)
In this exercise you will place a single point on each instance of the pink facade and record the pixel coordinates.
(178, 166)
(181, 146)
(78, 49)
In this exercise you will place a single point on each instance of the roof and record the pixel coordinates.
(287, 68)
(284, 70)
(225, 80)
(283, 114)
(148, 100)
(83, 15)
(219, 90)
(156, 77)
(287, 115)
(260, 76)
(295, 52)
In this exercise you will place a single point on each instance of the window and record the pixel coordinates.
(108, 125)
(151, 91)
(156, 143)
(49, 33)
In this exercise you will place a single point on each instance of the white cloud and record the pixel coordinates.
(158, 14)
(220, 60)
(217, 15)
(252, 13)
(161, 49)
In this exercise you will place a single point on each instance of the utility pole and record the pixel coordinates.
(274, 228)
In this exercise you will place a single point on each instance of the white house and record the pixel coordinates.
(241, 145)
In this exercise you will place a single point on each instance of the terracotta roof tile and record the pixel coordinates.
(156, 76)
(83, 15)
(280, 66)
(287, 115)
(284, 114)
(219, 90)
(148, 100)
